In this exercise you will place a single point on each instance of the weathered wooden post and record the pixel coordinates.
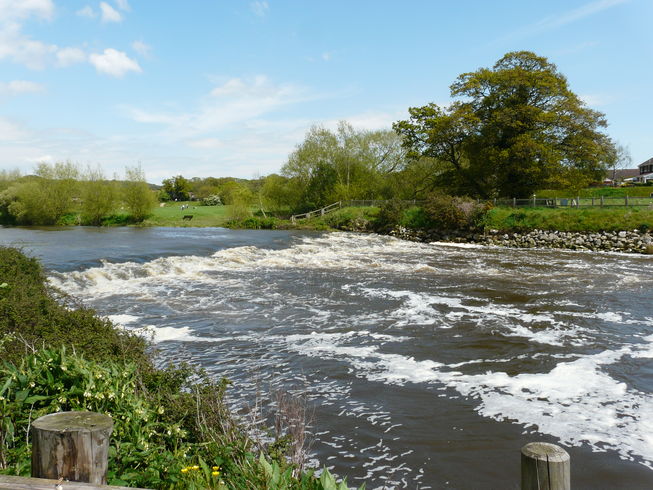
(602, 201)
(514, 202)
(545, 466)
(626, 199)
(71, 445)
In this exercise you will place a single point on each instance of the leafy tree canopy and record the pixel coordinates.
(513, 128)
(177, 188)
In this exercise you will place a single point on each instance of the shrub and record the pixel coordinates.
(212, 200)
(390, 215)
(454, 213)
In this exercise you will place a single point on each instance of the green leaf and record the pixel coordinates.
(21, 395)
(36, 398)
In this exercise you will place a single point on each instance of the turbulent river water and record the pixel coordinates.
(425, 365)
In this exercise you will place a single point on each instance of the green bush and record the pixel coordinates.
(415, 218)
(254, 223)
(454, 213)
(390, 215)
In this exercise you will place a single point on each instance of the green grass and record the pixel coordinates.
(566, 219)
(631, 191)
(172, 215)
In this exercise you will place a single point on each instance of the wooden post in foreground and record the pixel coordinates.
(71, 445)
(545, 466)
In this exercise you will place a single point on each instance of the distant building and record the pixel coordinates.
(615, 176)
(645, 171)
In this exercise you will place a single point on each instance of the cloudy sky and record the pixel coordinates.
(229, 87)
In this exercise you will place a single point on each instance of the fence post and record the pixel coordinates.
(514, 202)
(577, 202)
(601, 201)
(626, 198)
(71, 445)
(592, 202)
(555, 202)
(545, 465)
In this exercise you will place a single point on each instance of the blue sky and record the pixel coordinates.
(228, 88)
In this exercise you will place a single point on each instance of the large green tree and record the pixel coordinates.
(513, 129)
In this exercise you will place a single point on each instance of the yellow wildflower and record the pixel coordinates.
(215, 468)
(184, 470)
(195, 467)
(215, 473)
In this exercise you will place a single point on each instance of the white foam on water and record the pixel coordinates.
(418, 308)
(122, 319)
(577, 401)
(457, 245)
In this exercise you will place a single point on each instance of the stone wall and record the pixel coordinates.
(621, 241)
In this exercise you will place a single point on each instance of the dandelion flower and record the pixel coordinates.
(215, 473)
(195, 467)
(184, 470)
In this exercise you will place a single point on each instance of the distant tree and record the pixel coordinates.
(516, 127)
(98, 196)
(177, 188)
(344, 164)
(136, 194)
(621, 160)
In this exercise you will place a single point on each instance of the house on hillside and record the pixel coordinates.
(616, 176)
(645, 171)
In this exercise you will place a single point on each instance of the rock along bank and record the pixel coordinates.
(607, 241)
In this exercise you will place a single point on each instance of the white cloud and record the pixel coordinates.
(114, 63)
(235, 102)
(109, 14)
(87, 11)
(70, 56)
(21, 49)
(326, 56)
(259, 8)
(17, 87)
(20, 9)
(123, 5)
(141, 48)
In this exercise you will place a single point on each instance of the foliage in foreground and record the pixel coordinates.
(173, 428)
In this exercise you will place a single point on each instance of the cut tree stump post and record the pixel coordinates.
(71, 445)
(545, 466)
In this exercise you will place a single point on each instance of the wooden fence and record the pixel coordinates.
(575, 202)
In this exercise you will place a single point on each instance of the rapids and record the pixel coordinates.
(425, 365)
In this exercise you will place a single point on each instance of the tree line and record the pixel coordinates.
(511, 130)
(64, 193)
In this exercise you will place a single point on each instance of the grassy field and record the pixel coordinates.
(632, 191)
(172, 215)
(566, 219)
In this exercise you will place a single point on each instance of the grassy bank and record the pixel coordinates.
(172, 426)
(172, 215)
(580, 220)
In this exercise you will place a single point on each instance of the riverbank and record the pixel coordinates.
(172, 425)
(622, 241)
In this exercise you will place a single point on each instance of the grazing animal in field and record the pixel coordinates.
(187, 217)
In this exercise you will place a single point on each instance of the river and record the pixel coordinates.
(425, 365)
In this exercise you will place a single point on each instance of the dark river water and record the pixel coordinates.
(426, 365)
